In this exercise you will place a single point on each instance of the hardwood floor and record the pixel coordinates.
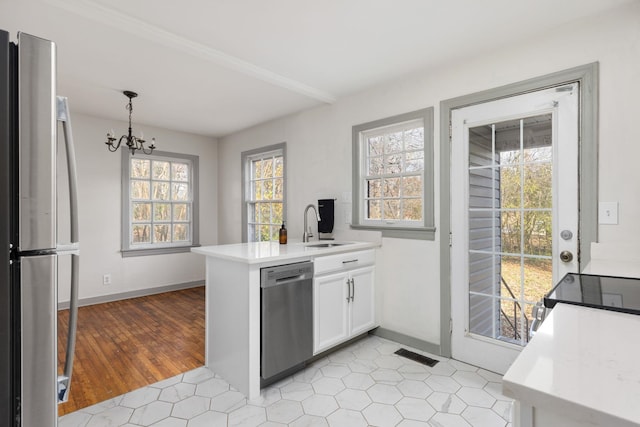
(125, 345)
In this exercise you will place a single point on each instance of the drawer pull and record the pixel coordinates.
(350, 261)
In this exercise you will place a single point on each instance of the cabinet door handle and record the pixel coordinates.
(350, 261)
(348, 290)
(353, 289)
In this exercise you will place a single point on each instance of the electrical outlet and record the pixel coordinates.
(106, 279)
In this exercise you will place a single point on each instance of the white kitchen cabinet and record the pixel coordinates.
(343, 300)
(362, 302)
(330, 310)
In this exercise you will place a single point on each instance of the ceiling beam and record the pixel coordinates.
(92, 10)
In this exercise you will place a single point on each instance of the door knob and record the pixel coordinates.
(566, 256)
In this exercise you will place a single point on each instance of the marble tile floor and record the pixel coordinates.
(364, 384)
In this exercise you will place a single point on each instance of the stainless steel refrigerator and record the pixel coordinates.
(31, 114)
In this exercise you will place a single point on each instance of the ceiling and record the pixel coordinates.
(214, 67)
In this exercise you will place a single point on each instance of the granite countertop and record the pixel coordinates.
(582, 363)
(262, 252)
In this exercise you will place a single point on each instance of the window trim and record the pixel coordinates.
(244, 158)
(424, 231)
(126, 249)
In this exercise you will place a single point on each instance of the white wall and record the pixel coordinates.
(99, 199)
(319, 148)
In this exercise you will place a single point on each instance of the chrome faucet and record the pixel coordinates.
(306, 235)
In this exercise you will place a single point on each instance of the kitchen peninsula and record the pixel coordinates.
(232, 343)
(581, 367)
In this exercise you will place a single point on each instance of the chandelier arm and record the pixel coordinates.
(113, 148)
(123, 137)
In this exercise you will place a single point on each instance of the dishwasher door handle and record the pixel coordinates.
(286, 280)
(289, 279)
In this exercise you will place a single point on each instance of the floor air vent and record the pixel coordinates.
(416, 357)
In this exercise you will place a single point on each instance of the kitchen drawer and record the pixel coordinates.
(344, 261)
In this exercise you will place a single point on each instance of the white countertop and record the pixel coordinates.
(583, 363)
(613, 268)
(263, 252)
(614, 259)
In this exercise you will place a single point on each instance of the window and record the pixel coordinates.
(160, 203)
(263, 212)
(393, 175)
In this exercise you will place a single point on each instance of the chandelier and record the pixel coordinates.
(132, 142)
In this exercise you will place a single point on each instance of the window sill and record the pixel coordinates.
(416, 233)
(127, 253)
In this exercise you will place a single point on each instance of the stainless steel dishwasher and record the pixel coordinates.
(286, 318)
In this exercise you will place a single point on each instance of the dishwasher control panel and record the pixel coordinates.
(271, 276)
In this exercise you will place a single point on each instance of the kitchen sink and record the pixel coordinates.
(327, 245)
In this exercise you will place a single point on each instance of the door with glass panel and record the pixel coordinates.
(514, 217)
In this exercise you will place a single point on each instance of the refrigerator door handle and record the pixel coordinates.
(68, 249)
(65, 119)
(64, 381)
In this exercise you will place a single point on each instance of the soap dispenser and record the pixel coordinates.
(283, 235)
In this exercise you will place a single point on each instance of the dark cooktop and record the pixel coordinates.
(589, 290)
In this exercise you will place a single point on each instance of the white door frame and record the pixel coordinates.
(587, 76)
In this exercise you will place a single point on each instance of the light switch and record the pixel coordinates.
(608, 212)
